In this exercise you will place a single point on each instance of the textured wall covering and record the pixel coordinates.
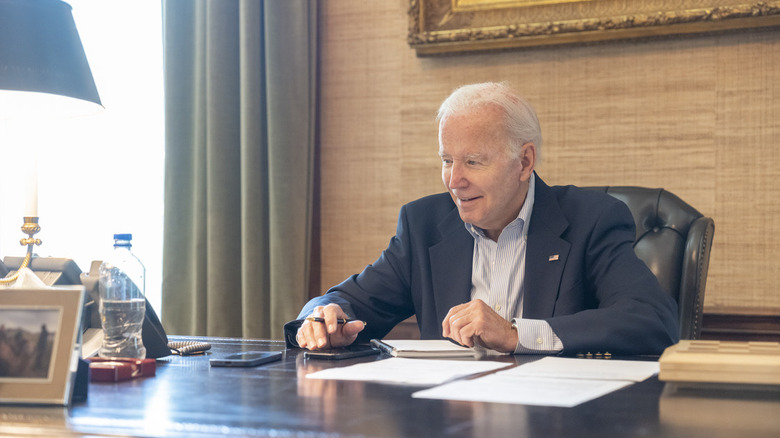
(699, 116)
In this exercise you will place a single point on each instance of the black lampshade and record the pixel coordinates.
(40, 50)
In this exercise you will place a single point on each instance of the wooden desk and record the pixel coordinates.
(188, 398)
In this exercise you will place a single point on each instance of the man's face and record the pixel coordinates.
(485, 181)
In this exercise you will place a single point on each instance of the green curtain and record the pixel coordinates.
(240, 78)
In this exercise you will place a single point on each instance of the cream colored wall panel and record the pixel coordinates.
(747, 272)
(696, 115)
(359, 133)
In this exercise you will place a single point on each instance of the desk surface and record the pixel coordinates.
(188, 398)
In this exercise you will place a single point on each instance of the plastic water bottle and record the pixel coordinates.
(122, 301)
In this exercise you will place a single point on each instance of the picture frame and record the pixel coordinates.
(449, 26)
(39, 344)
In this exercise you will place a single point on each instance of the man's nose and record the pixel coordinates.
(457, 178)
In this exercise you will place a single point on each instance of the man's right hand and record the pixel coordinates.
(321, 335)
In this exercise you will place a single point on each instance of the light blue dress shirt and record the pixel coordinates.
(497, 278)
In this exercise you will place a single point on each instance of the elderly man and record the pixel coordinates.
(502, 260)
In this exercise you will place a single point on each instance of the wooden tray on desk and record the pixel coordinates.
(721, 362)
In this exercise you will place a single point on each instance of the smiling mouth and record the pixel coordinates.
(467, 200)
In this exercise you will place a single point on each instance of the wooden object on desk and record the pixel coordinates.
(721, 362)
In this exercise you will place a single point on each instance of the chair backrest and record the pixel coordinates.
(674, 240)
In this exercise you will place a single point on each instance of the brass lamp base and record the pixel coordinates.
(30, 228)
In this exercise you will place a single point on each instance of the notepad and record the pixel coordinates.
(428, 348)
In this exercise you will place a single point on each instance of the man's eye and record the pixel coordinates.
(472, 162)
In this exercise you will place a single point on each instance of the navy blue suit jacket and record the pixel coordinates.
(582, 275)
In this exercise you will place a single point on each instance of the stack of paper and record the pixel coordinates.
(551, 381)
(408, 371)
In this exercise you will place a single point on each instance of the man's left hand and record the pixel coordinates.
(475, 321)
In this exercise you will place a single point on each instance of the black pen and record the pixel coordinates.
(338, 321)
(456, 342)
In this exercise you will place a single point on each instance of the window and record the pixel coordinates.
(102, 173)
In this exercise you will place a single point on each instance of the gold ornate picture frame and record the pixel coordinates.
(446, 26)
(39, 344)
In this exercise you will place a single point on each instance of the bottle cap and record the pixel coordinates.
(123, 237)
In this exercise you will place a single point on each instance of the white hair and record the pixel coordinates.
(520, 121)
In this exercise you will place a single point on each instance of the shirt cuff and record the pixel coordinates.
(535, 336)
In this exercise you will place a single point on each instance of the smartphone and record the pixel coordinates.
(341, 353)
(246, 359)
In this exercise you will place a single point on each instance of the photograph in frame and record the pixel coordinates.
(439, 27)
(27, 339)
(39, 335)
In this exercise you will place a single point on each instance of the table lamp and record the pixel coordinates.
(43, 68)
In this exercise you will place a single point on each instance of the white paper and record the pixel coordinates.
(601, 369)
(526, 390)
(428, 345)
(408, 371)
(26, 280)
(551, 381)
(425, 348)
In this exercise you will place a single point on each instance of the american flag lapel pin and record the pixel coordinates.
(553, 258)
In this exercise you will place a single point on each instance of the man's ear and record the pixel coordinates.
(528, 160)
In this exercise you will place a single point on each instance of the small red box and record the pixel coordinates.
(119, 369)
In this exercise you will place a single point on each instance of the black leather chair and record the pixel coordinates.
(674, 240)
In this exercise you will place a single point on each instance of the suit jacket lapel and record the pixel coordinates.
(546, 254)
(451, 265)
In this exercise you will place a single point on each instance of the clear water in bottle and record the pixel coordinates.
(122, 323)
(122, 301)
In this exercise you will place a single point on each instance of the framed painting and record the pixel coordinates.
(447, 26)
(39, 344)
